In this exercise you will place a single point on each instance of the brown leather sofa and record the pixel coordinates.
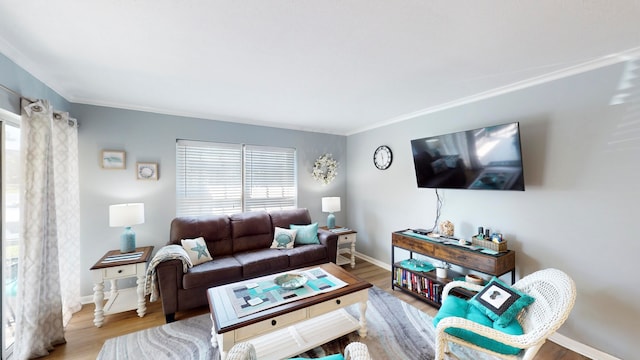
(240, 247)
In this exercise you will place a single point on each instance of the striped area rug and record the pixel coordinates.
(396, 330)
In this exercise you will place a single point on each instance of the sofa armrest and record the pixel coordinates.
(169, 282)
(330, 240)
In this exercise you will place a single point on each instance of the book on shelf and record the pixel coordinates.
(421, 285)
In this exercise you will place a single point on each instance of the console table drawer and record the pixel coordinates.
(422, 246)
(467, 259)
(119, 271)
(270, 324)
(334, 304)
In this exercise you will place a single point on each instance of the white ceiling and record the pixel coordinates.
(336, 66)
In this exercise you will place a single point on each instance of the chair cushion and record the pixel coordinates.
(306, 234)
(455, 306)
(330, 357)
(500, 302)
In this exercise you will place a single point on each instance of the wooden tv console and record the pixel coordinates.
(493, 265)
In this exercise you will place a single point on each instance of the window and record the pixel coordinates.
(10, 225)
(217, 178)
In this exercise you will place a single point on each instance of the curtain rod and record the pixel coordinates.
(11, 91)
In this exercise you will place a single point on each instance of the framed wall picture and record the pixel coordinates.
(113, 159)
(147, 171)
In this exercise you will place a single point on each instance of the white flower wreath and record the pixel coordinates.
(325, 169)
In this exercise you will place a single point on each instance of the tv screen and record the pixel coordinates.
(488, 158)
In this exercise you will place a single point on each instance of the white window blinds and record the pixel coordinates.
(269, 178)
(211, 177)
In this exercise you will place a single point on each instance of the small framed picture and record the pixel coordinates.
(147, 171)
(113, 159)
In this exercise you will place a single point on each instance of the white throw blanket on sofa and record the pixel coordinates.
(169, 252)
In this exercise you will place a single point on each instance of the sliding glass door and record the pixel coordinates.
(10, 226)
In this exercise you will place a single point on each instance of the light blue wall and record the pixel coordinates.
(149, 137)
(17, 79)
(578, 213)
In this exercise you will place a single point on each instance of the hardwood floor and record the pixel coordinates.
(84, 340)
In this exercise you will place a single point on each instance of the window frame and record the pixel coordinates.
(273, 179)
(6, 119)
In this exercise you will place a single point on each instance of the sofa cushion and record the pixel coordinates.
(197, 250)
(283, 238)
(306, 254)
(306, 234)
(251, 231)
(262, 262)
(222, 270)
(215, 230)
(285, 218)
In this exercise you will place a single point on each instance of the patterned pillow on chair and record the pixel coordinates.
(500, 302)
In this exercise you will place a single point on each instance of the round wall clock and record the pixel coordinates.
(382, 157)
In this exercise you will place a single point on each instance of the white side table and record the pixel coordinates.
(114, 266)
(346, 245)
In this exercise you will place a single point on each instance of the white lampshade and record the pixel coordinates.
(126, 214)
(330, 204)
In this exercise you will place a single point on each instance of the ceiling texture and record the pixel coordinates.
(334, 66)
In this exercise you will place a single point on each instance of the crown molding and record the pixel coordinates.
(594, 64)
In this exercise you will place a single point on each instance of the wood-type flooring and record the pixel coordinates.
(84, 340)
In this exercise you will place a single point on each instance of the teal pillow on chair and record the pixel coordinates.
(306, 234)
(330, 357)
(500, 302)
(455, 306)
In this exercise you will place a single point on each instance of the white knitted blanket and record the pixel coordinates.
(169, 252)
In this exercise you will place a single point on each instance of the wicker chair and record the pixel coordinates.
(246, 351)
(554, 293)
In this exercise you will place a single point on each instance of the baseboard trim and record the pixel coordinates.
(373, 261)
(88, 299)
(580, 348)
(557, 338)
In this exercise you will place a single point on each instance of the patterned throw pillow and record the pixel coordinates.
(197, 250)
(306, 234)
(500, 302)
(283, 238)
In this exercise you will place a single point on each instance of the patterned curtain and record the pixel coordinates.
(49, 259)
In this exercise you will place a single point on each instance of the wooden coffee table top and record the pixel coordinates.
(225, 318)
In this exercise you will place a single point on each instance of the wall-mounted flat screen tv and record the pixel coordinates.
(487, 158)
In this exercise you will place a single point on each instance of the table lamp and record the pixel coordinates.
(331, 205)
(126, 215)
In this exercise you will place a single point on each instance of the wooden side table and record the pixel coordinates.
(114, 266)
(346, 245)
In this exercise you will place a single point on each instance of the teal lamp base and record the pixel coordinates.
(331, 221)
(127, 240)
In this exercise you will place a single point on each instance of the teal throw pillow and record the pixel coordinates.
(455, 306)
(306, 234)
(500, 302)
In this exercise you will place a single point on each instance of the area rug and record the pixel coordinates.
(396, 330)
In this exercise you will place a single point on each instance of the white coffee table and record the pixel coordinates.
(291, 328)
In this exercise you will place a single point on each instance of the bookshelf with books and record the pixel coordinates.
(418, 283)
(418, 277)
